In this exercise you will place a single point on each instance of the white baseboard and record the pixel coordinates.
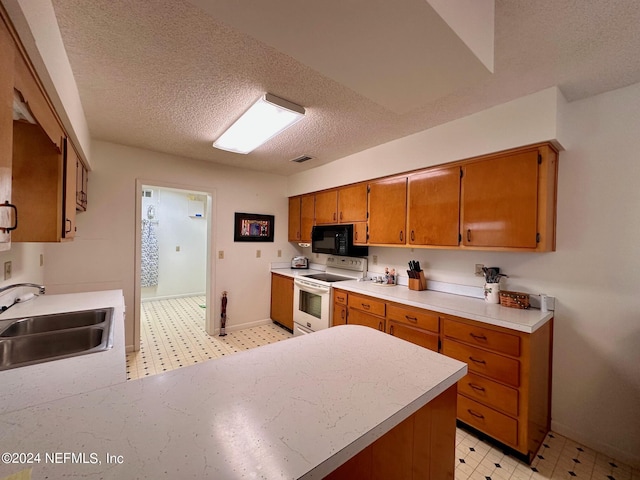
(629, 458)
(242, 326)
(169, 297)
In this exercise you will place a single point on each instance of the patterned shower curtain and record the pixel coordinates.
(149, 272)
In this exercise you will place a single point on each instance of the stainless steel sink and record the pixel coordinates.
(38, 339)
(57, 321)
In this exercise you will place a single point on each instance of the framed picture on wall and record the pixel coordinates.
(253, 227)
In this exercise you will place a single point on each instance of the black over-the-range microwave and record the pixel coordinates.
(336, 240)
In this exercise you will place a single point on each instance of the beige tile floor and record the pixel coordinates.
(173, 336)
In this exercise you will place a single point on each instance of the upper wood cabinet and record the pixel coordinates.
(327, 207)
(301, 212)
(352, 203)
(388, 211)
(43, 191)
(508, 201)
(7, 59)
(433, 209)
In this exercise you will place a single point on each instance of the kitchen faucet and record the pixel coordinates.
(16, 285)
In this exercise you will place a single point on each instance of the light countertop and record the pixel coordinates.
(34, 384)
(298, 408)
(527, 321)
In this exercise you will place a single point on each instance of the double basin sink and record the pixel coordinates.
(42, 338)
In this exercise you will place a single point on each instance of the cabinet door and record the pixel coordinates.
(388, 211)
(69, 191)
(38, 176)
(357, 317)
(500, 201)
(434, 207)
(414, 335)
(327, 207)
(360, 233)
(294, 219)
(339, 314)
(352, 204)
(307, 211)
(7, 53)
(282, 300)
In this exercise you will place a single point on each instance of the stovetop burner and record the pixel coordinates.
(327, 277)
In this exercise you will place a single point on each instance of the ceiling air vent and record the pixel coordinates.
(302, 159)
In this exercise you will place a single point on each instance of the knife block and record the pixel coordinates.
(418, 283)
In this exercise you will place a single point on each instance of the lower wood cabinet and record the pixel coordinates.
(282, 300)
(422, 446)
(507, 391)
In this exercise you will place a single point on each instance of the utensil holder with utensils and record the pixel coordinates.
(419, 282)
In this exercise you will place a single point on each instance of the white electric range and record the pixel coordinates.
(313, 294)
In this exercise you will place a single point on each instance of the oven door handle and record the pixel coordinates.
(308, 287)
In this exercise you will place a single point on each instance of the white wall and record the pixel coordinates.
(102, 256)
(595, 271)
(25, 267)
(183, 272)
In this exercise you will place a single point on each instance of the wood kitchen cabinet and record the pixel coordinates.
(352, 203)
(388, 211)
(301, 215)
(508, 201)
(343, 205)
(339, 316)
(415, 325)
(506, 393)
(7, 59)
(327, 207)
(433, 209)
(282, 300)
(367, 311)
(43, 190)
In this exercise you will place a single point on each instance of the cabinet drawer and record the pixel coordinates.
(490, 393)
(414, 317)
(482, 337)
(366, 304)
(340, 297)
(414, 335)
(503, 369)
(496, 424)
(356, 317)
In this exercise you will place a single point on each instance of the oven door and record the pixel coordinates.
(311, 304)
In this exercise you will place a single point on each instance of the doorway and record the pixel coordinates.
(173, 247)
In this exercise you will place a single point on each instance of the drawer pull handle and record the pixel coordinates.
(476, 387)
(341, 299)
(366, 306)
(475, 414)
(475, 360)
(478, 337)
(380, 326)
(391, 330)
(411, 319)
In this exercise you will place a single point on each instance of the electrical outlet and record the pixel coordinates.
(279, 253)
(258, 253)
(479, 272)
(375, 259)
(7, 270)
(177, 248)
(220, 254)
(41, 259)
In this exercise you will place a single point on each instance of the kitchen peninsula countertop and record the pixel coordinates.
(298, 408)
(34, 384)
(527, 321)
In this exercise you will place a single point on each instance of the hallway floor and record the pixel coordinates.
(173, 336)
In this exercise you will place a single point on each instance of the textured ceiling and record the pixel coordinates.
(166, 76)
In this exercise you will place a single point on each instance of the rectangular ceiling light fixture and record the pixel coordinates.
(265, 119)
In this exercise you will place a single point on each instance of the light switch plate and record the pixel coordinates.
(7, 270)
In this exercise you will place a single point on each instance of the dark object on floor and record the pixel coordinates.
(223, 315)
